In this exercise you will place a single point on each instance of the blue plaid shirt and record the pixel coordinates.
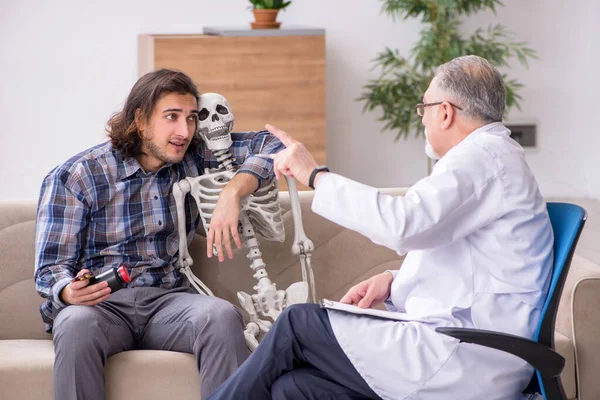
(99, 210)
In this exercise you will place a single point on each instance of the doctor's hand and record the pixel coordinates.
(295, 161)
(371, 292)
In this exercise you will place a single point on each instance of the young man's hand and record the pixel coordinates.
(81, 293)
(371, 292)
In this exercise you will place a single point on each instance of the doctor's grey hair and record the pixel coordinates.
(475, 85)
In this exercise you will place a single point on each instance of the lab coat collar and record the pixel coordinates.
(494, 127)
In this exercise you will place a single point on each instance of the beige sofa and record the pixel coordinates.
(341, 258)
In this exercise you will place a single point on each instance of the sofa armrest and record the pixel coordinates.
(564, 346)
(585, 314)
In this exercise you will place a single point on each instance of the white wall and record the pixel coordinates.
(67, 65)
(561, 89)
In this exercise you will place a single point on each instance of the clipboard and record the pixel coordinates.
(348, 308)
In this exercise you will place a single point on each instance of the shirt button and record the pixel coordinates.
(150, 240)
(155, 197)
(159, 223)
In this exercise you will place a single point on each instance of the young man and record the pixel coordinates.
(479, 246)
(112, 205)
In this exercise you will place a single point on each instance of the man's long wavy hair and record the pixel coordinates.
(122, 128)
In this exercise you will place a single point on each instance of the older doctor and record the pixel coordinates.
(479, 246)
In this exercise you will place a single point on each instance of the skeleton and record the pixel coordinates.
(260, 213)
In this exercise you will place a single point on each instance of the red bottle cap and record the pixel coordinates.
(124, 274)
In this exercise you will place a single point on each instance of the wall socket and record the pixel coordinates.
(524, 134)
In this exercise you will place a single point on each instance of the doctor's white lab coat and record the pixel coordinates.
(479, 246)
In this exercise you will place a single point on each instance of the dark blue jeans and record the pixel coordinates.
(299, 358)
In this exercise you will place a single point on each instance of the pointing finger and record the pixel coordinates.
(286, 139)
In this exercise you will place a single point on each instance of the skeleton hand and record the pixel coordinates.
(224, 224)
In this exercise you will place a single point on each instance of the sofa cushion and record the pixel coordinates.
(26, 373)
(26, 369)
(20, 312)
(173, 376)
(19, 302)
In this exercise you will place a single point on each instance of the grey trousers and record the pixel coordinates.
(145, 318)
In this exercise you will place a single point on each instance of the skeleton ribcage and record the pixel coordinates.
(262, 207)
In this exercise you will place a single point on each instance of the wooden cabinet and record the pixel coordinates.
(266, 79)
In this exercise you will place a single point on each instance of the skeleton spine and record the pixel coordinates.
(225, 159)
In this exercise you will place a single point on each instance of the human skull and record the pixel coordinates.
(215, 121)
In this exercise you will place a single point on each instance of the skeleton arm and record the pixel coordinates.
(180, 190)
(302, 245)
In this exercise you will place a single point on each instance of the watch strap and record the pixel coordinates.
(313, 174)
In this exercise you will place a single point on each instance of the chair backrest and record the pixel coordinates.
(567, 223)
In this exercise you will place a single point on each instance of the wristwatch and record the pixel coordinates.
(311, 180)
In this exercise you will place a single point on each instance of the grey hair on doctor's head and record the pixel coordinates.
(474, 84)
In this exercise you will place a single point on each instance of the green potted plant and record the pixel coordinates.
(403, 80)
(265, 13)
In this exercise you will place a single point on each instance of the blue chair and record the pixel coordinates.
(567, 223)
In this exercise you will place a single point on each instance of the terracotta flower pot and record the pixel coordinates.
(265, 19)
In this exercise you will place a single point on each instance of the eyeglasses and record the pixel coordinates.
(421, 106)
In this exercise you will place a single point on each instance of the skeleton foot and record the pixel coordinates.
(250, 333)
(256, 325)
